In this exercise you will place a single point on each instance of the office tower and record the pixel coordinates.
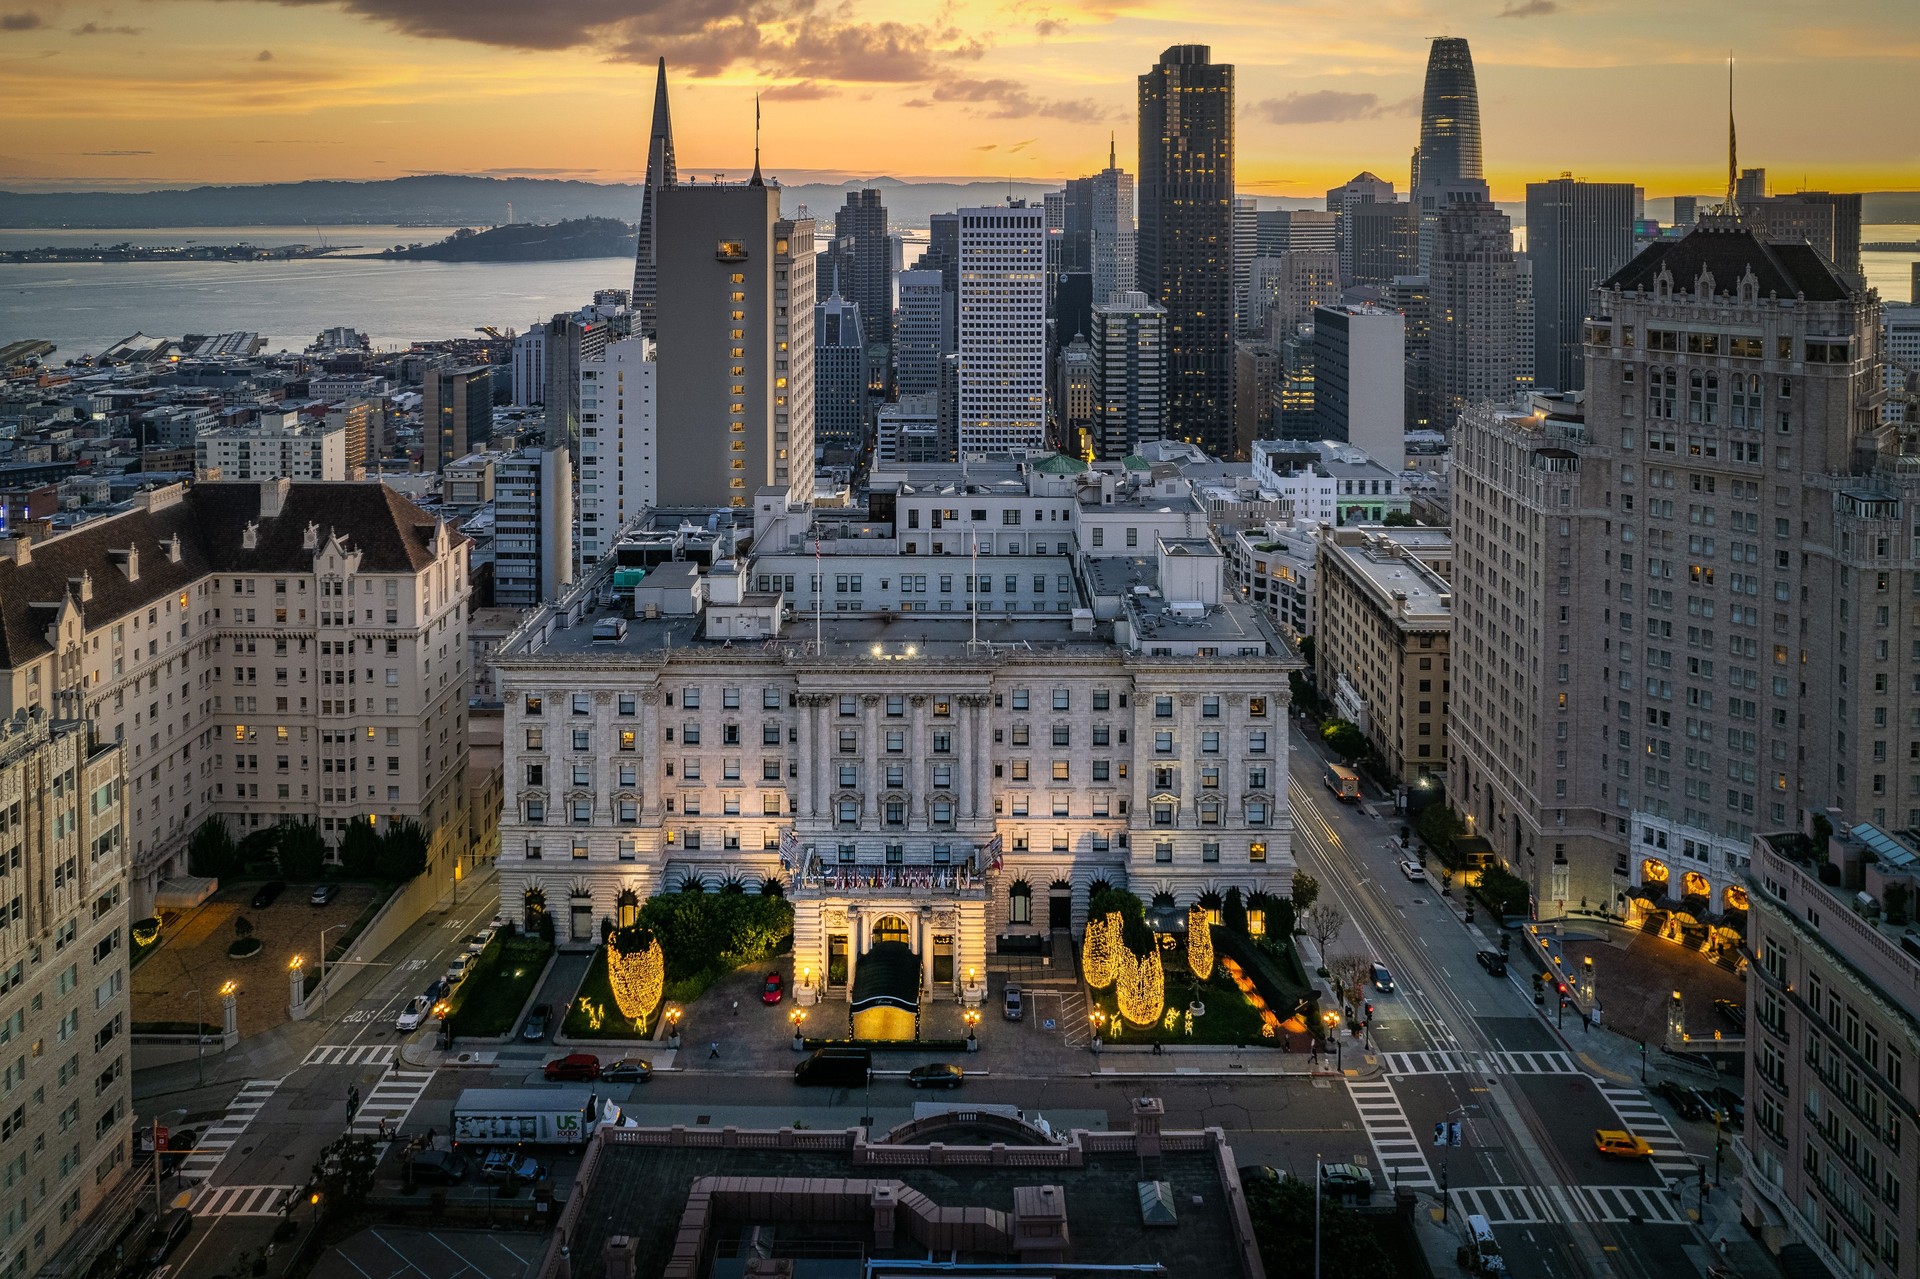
(530, 367)
(278, 446)
(1846, 225)
(1752, 186)
(1070, 227)
(1362, 188)
(1186, 235)
(1900, 353)
(1829, 222)
(1283, 289)
(1115, 243)
(942, 253)
(1246, 233)
(619, 423)
(227, 569)
(1471, 309)
(1384, 241)
(725, 426)
(1002, 329)
(1446, 168)
(1256, 393)
(1130, 374)
(571, 341)
(866, 263)
(1686, 210)
(362, 420)
(1072, 306)
(456, 413)
(1522, 324)
(1293, 230)
(922, 333)
(1296, 418)
(839, 375)
(1359, 359)
(908, 431)
(661, 174)
(65, 790)
(533, 525)
(1576, 765)
(1073, 379)
(1411, 296)
(1578, 233)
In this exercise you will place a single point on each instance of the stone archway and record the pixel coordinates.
(890, 928)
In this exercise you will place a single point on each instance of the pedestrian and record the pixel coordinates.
(713, 1050)
(736, 1008)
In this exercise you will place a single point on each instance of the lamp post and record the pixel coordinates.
(1331, 1019)
(972, 1018)
(797, 1016)
(1094, 1021)
(673, 1026)
(331, 928)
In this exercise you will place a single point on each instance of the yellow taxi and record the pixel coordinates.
(1621, 1145)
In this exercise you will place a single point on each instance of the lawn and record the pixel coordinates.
(503, 977)
(593, 1014)
(1229, 1018)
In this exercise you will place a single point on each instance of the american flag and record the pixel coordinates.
(995, 847)
(789, 847)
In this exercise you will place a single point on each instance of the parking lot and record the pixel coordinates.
(389, 1252)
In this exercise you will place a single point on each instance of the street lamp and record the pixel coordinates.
(797, 1016)
(972, 1018)
(1094, 1021)
(673, 1025)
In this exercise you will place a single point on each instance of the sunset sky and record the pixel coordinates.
(165, 92)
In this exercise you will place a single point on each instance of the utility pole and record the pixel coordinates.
(1316, 1214)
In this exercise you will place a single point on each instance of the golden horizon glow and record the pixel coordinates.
(190, 92)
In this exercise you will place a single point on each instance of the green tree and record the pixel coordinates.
(1345, 739)
(210, 850)
(360, 851)
(1400, 519)
(303, 850)
(343, 1175)
(1282, 1215)
(1233, 911)
(1306, 891)
(403, 851)
(1439, 826)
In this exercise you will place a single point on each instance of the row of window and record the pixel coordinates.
(896, 704)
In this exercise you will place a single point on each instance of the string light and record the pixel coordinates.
(1098, 958)
(1140, 986)
(1199, 943)
(637, 971)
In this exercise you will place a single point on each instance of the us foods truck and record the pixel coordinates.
(506, 1117)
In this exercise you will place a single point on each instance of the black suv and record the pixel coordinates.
(1685, 1101)
(267, 892)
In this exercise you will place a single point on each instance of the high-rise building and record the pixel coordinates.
(1246, 234)
(942, 253)
(1070, 227)
(1186, 235)
(1073, 394)
(1114, 243)
(1359, 357)
(1296, 418)
(923, 333)
(1130, 371)
(1383, 238)
(456, 413)
(1522, 324)
(866, 264)
(1411, 296)
(1578, 233)
(1829, 222)
(1686, 210)
(1002, 329)
(909, 431)
(530, 367)
(278, 446)
(1362, 188)
(619, 422)
(572, 340)
(1446, 165)
(1284, 289)
(729, 424)
(1751, 187)
(533, 525)
(1471, 310)
(839, 375)
(1256, 393)
(1708, 358)
(1293, 230)
(661, 174)
(64, 788)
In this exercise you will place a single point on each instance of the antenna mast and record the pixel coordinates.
(1733, 150)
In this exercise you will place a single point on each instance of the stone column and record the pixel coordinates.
(926, 949)
(803, 800)
(918, 818)
(983, 756)
(853, 946)
(823, 754)
(652, 780)
(963, 756)
(870, 787)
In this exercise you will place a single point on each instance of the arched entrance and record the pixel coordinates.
(1060, 904)
(891, 928)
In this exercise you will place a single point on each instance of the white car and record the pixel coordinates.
(412, 1015)
(457, 970)
(1413, 870)
(478, 942)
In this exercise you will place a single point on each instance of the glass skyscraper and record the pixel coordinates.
(1449, 116)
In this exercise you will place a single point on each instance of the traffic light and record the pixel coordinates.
(1369, 1010)
(1506, 943)
(1561, 987)
(1539, 988)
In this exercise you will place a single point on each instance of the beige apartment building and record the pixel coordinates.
(1385, 622)
(66, 1106)
(261, 651)
(278, 447)
(1690, 596)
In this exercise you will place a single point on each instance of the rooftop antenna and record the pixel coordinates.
(1733, 149)
(756, 180)
(1112, 163)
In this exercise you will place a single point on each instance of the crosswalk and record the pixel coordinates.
(1541, 1205)
(392, 1099)
(1457, 1061)
(214, 1143)
(1398, 1151)
(240, 1201)
(351, 1055)
(1638, 1116)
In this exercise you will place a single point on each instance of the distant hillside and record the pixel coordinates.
(444, 200)
(524, 242)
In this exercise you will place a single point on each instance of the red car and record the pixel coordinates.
(770, 992)
(577, 1066)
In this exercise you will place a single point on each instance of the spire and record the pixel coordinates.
(1733, 150)
(756, 180)
(1112, 163)
(660, 166)
(661, 174)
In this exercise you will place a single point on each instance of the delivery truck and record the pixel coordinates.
(488, 1118)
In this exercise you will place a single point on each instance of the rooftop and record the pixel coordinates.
(1726, 251)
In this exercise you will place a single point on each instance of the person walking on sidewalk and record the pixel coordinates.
(713, 1050)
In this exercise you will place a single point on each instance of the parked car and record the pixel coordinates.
(322, 894)
(1733, 1012)
(539, 1024)
(1493, 961)
(412, 1015)
(457, 970)
(1015, 1006)
(1685, 1102)
(771, 989)
(1382, 979)
(1346, 1179)
(1413, 870)
(439, 1166)
(936, 1075)
(835, 1067)
(574, 1066)
(495, 924)
(1250, 1173)
(1731, 1105)
(478, 942)
(264, 895)
(502, 1164)
(168, 1234)
(437, 991)
(628, 1070)
(1621, 1144)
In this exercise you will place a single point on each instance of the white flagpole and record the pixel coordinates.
(973, 583)
(819, 594)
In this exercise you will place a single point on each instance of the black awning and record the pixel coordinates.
(887, 976)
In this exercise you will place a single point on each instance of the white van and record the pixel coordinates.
(1480, 1254)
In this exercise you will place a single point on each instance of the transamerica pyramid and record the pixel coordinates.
(660, 173)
